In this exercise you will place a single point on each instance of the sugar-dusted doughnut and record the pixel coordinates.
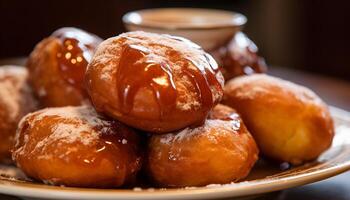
(289, 122)
(16, 100)
(74, 146)
(57, 66)
(153, 82)
(220, 151)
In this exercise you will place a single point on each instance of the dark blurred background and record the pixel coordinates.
(310, 35)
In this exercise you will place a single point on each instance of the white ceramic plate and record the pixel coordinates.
(265, 177)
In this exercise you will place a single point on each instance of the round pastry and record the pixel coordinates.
(16, 100)
(289, 122)
(57, 66)
(74, 146)
(239, 57)
(220, 151)
(152, 82)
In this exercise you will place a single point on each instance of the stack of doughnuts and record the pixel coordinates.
(156, 105)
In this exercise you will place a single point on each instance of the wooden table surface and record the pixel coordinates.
(334, 92)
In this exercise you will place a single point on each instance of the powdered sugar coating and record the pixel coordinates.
(80, 126)
(136, 77)
(159, 48)
(75, 146)
(14, 90)
(219, 151)
(210, 124)
(16, 100)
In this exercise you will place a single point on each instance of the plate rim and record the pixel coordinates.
(233, 190)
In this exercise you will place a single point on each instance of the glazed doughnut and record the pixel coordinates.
(157, 83)
(57, 66)
(16, 100)
(74, 146)
(289, 122)
(220, 151)
(239, 57)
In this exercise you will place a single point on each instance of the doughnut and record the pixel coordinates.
(220, 151)
(239, 57)
(74, 146)
(57, 66)
(16, 100)
(290, 123)
(156, 83)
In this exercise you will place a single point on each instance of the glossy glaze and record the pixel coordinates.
(74, 146)
(226, 113)
(202, 77)
(132, 75)
(289, 122)
(57, 66)
(75, 52)
(239, 57)
(219, 151)
(157, 83)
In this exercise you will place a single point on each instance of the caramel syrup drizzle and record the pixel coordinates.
(133, 74)
(137, 70)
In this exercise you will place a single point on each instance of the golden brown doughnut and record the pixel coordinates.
(74, 146)
(158, 83)
(220, 151)
(239, 57)
(289, 122)
(16, 100)
(57, 66)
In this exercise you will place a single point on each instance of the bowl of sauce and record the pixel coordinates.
(209, 28)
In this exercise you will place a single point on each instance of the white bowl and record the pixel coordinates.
(207, 27)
